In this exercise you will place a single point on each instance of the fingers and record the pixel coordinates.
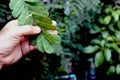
(54, 23)
(28, 30)
(31, 47)
(52, 31)
(25, 46)
(13, 27)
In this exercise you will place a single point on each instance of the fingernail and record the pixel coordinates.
(54, 23)
(37, 29)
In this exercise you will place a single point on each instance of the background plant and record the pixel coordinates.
(2, 12)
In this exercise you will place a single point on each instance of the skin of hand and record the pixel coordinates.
(14, 41)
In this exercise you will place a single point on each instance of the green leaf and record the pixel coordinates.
(12, 4)
(95, 41)
(99, 58)
(60, 69)
(52, 38)
(107, 20)
(20, 10)
(41, 18)
(45, 25)
(95, 28)
(79, 46)
(118, 24)
(101, 20)
(111, 27)
(102, 43)
(24, 8)
(110, 38)
(20, 7)
(24, 17)
(37, 8)
(115, 47)
(44, 45)
(117, 34)
(108, 9)
(111, 70)
(90, 49)
(107, 53)
(40, 40)
(58, 50)
(30, 0)
(115, 15)
(105, 34)
(118, 69)
(47, 46)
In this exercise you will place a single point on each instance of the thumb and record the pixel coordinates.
(28, 30)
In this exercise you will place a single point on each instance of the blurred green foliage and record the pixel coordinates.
(106, 44)
(2, 13)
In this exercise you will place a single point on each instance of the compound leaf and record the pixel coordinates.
(24, 8)
(37, 8)
(33, 12)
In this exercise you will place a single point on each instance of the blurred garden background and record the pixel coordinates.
(90, 47)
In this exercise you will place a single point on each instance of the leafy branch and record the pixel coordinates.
(32, 12)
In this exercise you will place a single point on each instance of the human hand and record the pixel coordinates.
(14, 41)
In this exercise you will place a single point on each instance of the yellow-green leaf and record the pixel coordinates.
(107, 20)
(115, 15)
(99, 58)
